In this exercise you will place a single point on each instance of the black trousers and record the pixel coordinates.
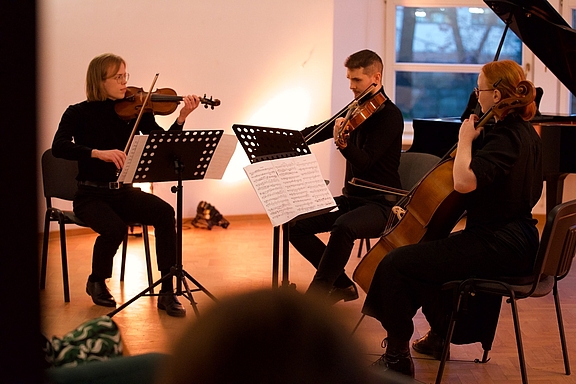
(410, 277)
(107, 211)
(355, 218)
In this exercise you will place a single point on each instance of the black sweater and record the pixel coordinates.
(95, 125)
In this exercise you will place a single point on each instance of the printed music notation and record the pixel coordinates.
(290, 188)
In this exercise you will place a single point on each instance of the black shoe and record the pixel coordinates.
(169, 302)
(430, 344)
(401, 363)
(347, 294)
(100, 293)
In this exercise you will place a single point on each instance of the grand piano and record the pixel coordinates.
(553, 41)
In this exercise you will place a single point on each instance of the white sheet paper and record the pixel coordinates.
(222, 155)
(290, 187)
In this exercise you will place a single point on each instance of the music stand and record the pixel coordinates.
(267, 143)
(171, 156)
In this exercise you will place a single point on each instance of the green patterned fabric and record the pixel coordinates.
(95, 340)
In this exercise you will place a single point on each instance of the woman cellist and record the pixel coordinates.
(499, 172)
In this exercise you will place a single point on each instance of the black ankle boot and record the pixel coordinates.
(396, 358)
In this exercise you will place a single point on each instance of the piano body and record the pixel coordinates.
(531, 21)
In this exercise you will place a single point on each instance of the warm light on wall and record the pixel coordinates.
(146, 187)
(290, 109)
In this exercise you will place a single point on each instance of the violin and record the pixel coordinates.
(163, 101)
(432, 208)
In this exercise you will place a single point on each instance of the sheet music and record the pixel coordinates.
(290, 187)
(222, 156)
(134, 153)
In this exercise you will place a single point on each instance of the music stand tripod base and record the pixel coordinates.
(169, 156)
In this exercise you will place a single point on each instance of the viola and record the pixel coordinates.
(432, 208)
(163, 101)
(347, 109)
(358, 113)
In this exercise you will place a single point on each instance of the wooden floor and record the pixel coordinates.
(226, 261)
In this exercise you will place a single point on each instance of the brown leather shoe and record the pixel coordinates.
(347, 294)
(430, 344)
(169, 302)
(100, 293)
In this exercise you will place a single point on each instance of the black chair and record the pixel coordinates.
(553, 262)
(413, 167)
(58, 177)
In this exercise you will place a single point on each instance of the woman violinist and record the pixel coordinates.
(93, 134)
(498, 170)
(372, 153)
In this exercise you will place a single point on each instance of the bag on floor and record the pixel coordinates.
(95, 340)
(208, 216)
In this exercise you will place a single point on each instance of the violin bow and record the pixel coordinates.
(140, 114)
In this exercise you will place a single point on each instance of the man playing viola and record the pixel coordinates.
(372, 153)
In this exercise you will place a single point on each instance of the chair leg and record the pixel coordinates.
(147, 253)
(519, 340)
(360, 248)
(358, 323)
(124, 250)
(446, 349)
(561, 328)
(64, 261)
(45, 239)
(485, 357)
(362, 241)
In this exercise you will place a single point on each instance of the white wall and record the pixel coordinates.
(270, 62)
(252, 55)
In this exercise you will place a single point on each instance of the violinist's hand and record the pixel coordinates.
(191, 102)
(468, 132)
(340, 138)
(115, 156)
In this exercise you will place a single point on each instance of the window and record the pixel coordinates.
(438, 53)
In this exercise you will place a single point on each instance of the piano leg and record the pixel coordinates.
(554, 189)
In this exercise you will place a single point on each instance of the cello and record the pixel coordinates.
(432, 208)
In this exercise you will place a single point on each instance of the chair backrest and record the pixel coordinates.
(558, 242)
(59, 177)
(414, 166)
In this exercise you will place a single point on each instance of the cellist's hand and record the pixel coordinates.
(468, 131)
(115, 156)
(340, 138)
(464, 178)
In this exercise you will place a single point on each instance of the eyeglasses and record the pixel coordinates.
(120, 78)
(477, 91)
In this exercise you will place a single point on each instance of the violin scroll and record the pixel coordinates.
(209, 102)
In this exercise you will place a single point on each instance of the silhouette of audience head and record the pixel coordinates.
(267, 336)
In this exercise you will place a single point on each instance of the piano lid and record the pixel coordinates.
(538, 25)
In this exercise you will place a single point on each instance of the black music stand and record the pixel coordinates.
(266, 143)
(171, 156)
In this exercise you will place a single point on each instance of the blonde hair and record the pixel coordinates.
(97, 73)
(506, 75)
